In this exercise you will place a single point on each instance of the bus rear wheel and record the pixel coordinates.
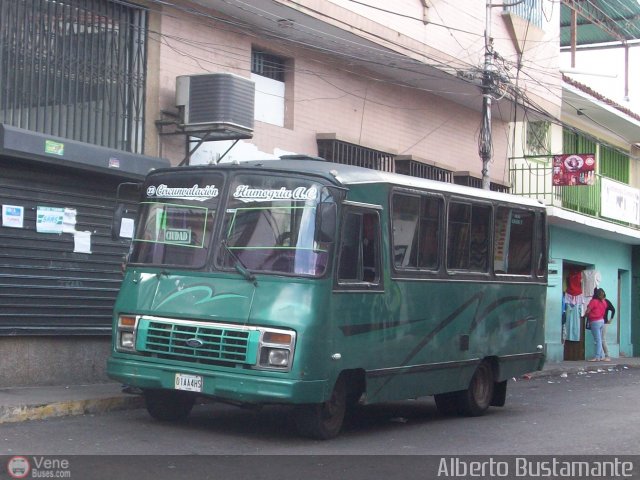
(323, 421)
(475, 400)
(168, 405)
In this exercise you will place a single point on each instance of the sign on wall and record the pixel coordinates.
(12, 216)
(49, 219)
(574, 169)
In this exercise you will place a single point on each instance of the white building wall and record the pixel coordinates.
(454, 36)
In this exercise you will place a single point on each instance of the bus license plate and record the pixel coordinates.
(191, 383)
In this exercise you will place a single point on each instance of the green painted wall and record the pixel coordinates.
(610, 259)
(635, 299)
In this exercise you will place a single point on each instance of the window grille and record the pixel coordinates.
(338, 151)
(614, 164)
(267, 65)
(74, 69)
(576, 143)
(538, 142)
(415, 168)
(611, 162)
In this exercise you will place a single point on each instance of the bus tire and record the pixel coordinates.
(168, 405)
(475, 400)
(323, 421)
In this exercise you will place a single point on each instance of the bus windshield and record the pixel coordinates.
(272, 225)
(176, 220)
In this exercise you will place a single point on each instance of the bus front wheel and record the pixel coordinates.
(475, 400)
(168, 405)
(323, 421)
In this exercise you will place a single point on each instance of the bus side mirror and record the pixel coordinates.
(116, 222)
(326, 222)
(132, 190)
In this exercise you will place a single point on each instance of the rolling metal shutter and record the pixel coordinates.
(46, 288)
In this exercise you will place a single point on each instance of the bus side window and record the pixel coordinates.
(459, 224)
(514, 230)
(430, 217)
(359, 249)
(348, 269)
(416, 222)
(370, 231)
(541, 240)
(480, 235)
(521, 243)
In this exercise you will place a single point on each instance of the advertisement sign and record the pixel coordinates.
(574, 169)
(49, 219)
(12, 216)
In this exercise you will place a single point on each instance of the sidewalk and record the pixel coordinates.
(37, 403)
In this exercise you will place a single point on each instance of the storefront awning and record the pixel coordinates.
(52, 150)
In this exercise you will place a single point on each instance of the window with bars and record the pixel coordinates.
(269, 73)
(75, 69)
(614, 164)
(575, 143)
(611, 162)
(338, 151)
(538, 142)
(414, 168)
(267, 65)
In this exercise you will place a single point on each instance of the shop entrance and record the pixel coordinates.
(573, 324)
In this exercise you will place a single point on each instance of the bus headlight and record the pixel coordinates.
(126, 333)
(275, 357)
(276, 349)
(127, 340)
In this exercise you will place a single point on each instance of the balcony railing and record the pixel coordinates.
(534, 181)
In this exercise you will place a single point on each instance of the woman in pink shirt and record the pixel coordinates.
(595, 313)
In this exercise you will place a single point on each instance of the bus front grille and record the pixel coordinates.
(201, 344)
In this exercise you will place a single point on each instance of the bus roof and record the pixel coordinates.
(345, 175)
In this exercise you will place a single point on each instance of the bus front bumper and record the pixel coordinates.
(235, 387)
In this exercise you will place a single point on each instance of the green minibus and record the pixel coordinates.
(325, 286)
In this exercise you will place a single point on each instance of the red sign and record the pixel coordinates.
(574, 169)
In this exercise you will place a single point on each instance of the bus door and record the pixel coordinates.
(359, 306)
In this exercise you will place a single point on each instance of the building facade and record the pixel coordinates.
(594, 228)
(89, 99)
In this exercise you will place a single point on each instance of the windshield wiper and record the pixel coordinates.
(240, 267)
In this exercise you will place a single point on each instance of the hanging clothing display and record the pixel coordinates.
(573, 305)
(574, 283)
(590, 281)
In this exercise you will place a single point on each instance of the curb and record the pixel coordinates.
(559, 370)
(20, 413)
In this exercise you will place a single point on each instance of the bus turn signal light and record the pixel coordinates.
(277, 337)
(127, 321)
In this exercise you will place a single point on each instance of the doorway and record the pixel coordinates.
(573, 324)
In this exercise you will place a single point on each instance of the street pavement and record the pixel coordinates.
(40, 402)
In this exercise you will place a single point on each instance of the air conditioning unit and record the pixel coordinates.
(218, 106)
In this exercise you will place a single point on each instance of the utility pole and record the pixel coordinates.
(485, 143)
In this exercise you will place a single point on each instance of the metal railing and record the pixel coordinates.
(534, 181)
